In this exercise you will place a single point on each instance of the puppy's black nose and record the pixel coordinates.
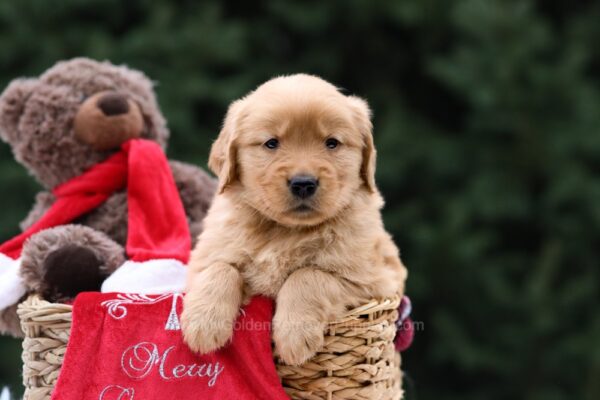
(113, 104)
(303, 186)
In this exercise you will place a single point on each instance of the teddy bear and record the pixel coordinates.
(75, 115)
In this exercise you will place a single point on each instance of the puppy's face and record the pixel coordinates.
(296, 150)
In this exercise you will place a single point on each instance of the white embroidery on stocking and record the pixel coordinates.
(138, 361)
(117, 307)
(173, 320)
(122, 392)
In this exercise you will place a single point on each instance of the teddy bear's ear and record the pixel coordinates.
(12, 104)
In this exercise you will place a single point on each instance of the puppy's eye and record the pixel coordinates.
(332, 143)
(272, 144)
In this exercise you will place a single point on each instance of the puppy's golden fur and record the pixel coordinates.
(315, 256)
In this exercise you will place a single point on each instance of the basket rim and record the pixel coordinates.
(375, 305)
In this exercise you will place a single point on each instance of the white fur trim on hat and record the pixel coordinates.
(148, 277)
(12, 287)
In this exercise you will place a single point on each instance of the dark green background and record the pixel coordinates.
(487, 121)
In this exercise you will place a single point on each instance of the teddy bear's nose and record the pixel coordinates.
(113, 104)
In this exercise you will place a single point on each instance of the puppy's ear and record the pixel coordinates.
(222, 160)
(362, 118)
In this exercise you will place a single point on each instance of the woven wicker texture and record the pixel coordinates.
(47, 327)
(358, 360)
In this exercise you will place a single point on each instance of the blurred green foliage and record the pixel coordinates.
(487, 120)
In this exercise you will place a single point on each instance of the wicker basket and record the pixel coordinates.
(358, 360)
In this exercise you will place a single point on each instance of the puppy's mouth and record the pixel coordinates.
(303, 208)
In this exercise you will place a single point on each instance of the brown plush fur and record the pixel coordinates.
(37, 116)
(37, 119)
(316, 256)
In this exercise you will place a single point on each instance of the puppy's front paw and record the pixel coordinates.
(204, 328)
(297, 341)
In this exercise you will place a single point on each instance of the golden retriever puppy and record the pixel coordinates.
(296, 218)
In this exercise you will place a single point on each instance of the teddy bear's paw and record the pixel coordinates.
(297, 341)
(204, 328)
(70, 270)
(61, 262)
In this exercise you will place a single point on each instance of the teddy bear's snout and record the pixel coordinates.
(107, 119)
(113, 104)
